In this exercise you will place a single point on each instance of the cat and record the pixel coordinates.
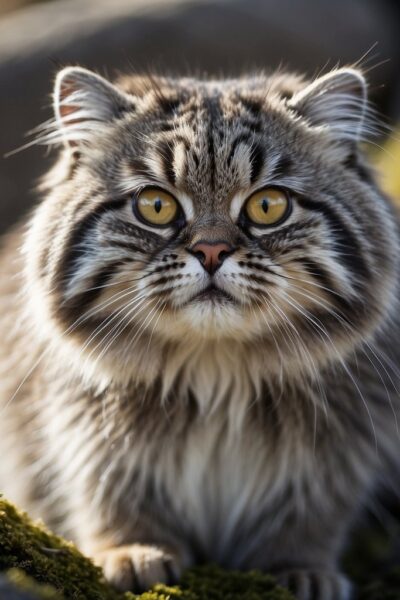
(200, 327)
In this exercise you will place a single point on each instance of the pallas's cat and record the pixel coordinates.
(200, 327)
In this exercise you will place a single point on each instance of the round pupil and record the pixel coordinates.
(264, 205)
(157, 205)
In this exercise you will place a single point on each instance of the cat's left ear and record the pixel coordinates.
(337, 101)
(84, 101)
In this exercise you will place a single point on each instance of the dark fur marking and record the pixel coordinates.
(257, 266)
(211, 155)
(325, 280)
(240, 139)
(169, 105)
(254, 107)
(179, 139)
(139, 167)
(127, 245)
(283, 166)
(257, 161)
(214, 109)
(66, 268)
(345, 243)
(253, 125)
(196, 159)
(86, 298)
(166, 152)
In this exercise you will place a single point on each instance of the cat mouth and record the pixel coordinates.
(214, 294)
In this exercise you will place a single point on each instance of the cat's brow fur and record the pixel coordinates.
(249, 434)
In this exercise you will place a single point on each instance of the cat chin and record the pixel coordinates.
(210, 320)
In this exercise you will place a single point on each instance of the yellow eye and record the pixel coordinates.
(156, 207)
(268, 206)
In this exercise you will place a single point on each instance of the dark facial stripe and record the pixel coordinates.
(317, 272)
(257, 266)
(82, 301)
(256, 161)
(211, 155)
(128, 245)
(121, 227)
(345, 243)
(139, 167)
(283, 166)
(166, 151)
(214, 113)
(74, 244)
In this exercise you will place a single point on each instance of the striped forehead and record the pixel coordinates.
(208, 149)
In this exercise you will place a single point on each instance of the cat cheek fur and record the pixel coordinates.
(246, 425)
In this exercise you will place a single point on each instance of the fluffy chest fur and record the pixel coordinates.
(222, 463)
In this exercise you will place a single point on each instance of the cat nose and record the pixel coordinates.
(211, 254)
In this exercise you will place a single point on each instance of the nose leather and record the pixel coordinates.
(211, 254)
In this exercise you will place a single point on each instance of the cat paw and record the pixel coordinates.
(316, 585)
(138, 567)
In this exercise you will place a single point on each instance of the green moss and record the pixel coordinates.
(25, 583)
(212, 583)
(40, 562)
(50, 568)
(47, 558)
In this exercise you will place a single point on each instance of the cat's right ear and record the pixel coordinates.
(84, 101)
(337, 102)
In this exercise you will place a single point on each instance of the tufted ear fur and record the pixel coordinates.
(83, 101)
(337, 101)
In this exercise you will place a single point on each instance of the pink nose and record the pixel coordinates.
(211, 254)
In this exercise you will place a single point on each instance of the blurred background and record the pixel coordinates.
(183, 36)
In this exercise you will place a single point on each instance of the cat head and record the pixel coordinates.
(184, 211)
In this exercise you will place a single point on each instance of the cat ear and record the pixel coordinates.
(83, 101)
(337, 101)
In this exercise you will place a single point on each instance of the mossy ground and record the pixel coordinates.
(51, 568)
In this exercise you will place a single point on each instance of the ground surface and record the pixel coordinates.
(35, 564)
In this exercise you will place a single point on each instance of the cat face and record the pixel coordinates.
(225, 210)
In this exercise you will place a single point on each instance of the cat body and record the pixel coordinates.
(200, 357)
